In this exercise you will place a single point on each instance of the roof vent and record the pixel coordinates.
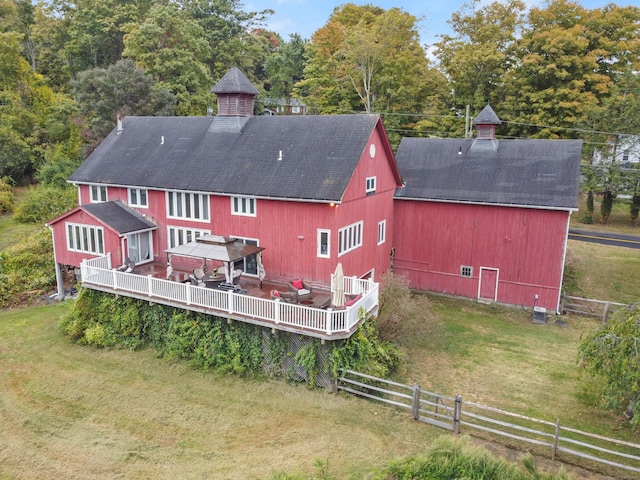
(280, 155)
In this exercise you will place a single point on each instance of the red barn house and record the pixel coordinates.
(486, 218)
(311, 191)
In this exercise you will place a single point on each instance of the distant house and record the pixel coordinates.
(283, 106)
(312, 191)
(486, 218)
(624, 151)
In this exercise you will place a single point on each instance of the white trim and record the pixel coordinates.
(382, 231)
(181, 201)
(99, 186)
(138, 192)
(370, 185)
(319, 243)
(79, 238)
(151, 252)
(495, 296)
(350, 237)
(188, 235)
(490, 204)
(242, 205)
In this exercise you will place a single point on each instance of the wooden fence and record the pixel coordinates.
(589, 307)
(456, 415)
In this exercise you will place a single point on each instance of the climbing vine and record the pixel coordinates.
(213, 343)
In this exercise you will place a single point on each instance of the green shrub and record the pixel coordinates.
(456, 457)
(44, 203)
(213, 343)
(7, 199)
(27, 269)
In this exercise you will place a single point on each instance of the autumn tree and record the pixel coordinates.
(171, 48)
(481, 51)
(365, 59)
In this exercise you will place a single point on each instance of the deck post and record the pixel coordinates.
(189, 287)
(328, 320)
(230, 300)
(150, 287)
(115, 279)
(277, 310)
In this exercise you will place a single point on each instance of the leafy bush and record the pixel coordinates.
(611, 354)
(212, 343)
(456, 457)
(45, 203)
(27, 268)
(7, 199)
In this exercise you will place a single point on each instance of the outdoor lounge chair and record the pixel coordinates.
(302, 289)
(236, 276)
(125, 265)
(287, 297)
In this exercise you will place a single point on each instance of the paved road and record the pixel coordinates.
(605, 238)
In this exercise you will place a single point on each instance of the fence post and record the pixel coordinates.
(564, 299)
(457, 413)
(555, 441)
(606, 312)
(415, 402)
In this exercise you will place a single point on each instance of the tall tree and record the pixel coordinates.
(480, 53)
(285, 67)
(229, 32)
(119, 90)
(366, 58)
(557, 78)
(170, 46)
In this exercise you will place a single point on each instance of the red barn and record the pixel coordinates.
(311, 190)
(486, 218)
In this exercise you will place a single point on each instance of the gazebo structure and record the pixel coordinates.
(221, 249)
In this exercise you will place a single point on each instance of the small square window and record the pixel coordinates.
(370, 186)
(466, 271)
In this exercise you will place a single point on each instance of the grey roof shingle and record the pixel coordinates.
(119, 217)
(540, 173)
(234, 81)
(319, 155)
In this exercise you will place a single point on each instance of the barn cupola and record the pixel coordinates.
(486, 123)
(235, 94)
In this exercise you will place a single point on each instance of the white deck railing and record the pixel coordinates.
(98, 272)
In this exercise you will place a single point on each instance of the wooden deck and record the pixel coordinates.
(252, 305)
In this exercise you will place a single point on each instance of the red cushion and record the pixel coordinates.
(352, 301)
(276, 293)
(297, 284)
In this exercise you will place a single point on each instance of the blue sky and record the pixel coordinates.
(307, 16)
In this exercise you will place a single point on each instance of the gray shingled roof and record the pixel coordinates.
(119, 217)
(319, 155)
(541, 173)
(234, 81)
(487, 117)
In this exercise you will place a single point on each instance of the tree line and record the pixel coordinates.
(68, 67)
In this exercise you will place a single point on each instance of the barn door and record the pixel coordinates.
(488, 287)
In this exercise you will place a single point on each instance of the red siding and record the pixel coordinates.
(289, 230)
(62, 255)
(433, 240)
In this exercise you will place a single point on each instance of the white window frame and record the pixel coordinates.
(350, 238)
(382, 232)
(85, 238)
(136, 246)
(135, 196)
(188, 205)
(370, 186)
(98, 193)
(245, 206)
(321, 232)
(186, 234)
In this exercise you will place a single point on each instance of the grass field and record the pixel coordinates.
(74, 412)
